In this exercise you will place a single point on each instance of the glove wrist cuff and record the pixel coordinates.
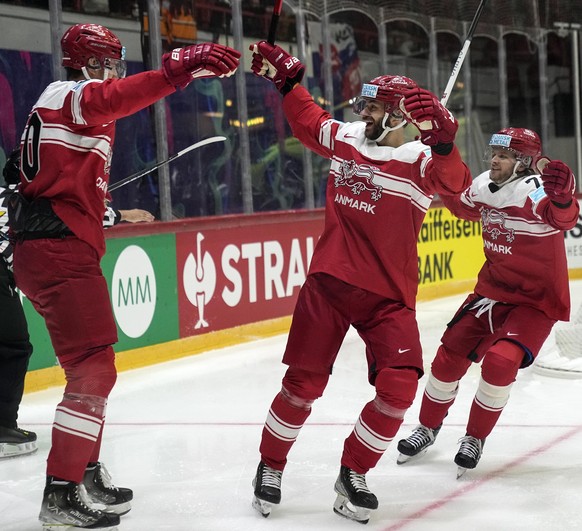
(443, 149)
(562, 205)
(288, 87)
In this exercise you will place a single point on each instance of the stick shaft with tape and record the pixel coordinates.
(143, 173)
(462, 54)
(274, 21)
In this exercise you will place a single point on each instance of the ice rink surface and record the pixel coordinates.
(184, 436)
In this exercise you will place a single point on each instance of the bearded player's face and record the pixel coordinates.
(373, 114)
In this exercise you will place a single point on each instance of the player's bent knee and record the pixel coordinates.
(94, 375)
(449, 366)
(395, 390)
(501, 363)
(301, 387)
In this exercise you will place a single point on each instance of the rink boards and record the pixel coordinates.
(183, 287)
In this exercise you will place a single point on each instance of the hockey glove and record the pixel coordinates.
(436, 123)
(277, 65)
(208, 59)
(559, 183)
(11, 171)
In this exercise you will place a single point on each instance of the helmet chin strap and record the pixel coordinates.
(85, 73)
(388, 129)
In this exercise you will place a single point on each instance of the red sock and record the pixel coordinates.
(371, 436)
(282, 427)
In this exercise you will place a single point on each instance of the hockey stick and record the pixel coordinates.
(274, 21)
(462, 53)
(141, 173)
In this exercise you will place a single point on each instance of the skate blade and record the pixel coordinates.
(460, 471)
(343, 507)
(402, 458)
(68, 527)
(120, 509)
(262, 506)
(8, 450)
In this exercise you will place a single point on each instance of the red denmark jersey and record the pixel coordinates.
(376, 200)
(523, 241)
(67, 145)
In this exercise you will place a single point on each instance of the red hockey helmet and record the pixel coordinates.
(83, 41)
(525, 143)
(389, 89)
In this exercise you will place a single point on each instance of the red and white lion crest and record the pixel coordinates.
(358, 178)
(494, 224)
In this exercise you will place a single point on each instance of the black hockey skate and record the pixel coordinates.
(354, 500)
(107, 497)
(469, 454)
(267, 484)
(417, 444)
(65, 507)
(16, 441)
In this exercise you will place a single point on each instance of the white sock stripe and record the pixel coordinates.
(367, 445)
(371, 431)
(280, 429)
(67, 419)
(79, 414)
(369, 438)
(492, 397)
(439, 391)
(74, 432)
(283, 423)
(494, 409)
(436, 400)
(277, 435)
(364, 443)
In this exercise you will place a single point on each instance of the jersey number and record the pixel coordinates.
(535, 180)
(30, 159)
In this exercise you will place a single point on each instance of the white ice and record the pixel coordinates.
(184, 436)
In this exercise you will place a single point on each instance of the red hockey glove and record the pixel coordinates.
(559, 182)
(208, 59)
(436, 123)
(276, 65)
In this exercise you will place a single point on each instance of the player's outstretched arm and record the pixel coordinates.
(182, 65)
(276, 65)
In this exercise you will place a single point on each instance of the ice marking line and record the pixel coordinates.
(478, 482)
(261, 423)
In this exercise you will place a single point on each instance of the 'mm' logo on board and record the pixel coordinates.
(133, 291)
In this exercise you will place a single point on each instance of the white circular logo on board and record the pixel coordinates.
(133, 291)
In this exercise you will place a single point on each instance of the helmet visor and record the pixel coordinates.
(363, 102)
(525, 160)
(359, 105)
(117, 67)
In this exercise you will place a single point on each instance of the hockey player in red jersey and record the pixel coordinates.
(522, 289)
(15, 346)
(364, 270)
(66, 154)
